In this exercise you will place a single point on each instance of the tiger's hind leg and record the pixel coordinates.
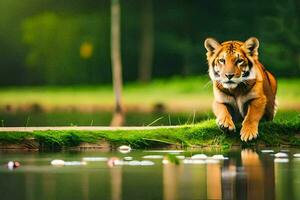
(270, 110)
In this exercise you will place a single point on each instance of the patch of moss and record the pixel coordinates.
(283, 131)
(15, 137)
(59, 139)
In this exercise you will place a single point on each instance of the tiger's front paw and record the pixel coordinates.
(249, 131)
(226, 123)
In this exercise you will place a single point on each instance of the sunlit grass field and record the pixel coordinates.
(175, 94)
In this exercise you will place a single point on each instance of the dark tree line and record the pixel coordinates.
(53, 42)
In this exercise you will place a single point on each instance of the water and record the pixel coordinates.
(245, 174)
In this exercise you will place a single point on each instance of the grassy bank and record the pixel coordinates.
(285, 130)
(177, 94)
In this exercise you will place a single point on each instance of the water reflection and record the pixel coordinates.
(116, 183)
(214, 178)
(254, 174)
(171, 176)
(283, 179)
(242, 178)
(247, 174)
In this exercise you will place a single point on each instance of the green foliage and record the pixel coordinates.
(42, 38)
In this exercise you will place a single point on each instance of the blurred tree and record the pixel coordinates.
(281, 31)
(147, 37)
(41, 43)
(118, 116)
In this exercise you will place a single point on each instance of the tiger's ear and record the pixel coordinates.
(251, 46)
(211, 45)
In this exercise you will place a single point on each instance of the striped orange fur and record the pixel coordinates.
(243, 88)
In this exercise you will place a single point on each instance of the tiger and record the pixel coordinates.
(244, 91)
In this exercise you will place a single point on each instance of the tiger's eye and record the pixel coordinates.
(240, 61)
(222, 61)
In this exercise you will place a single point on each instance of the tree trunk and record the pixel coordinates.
(118, 116)
(147, 39)
(299, 60)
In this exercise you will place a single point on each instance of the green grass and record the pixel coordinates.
(285, 130)
(176, 93)
(98, 118)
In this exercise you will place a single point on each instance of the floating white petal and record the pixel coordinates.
(297, 155)
(67, 163)
(165, 161)
(134, 163)
(190, 161)
(219, 157)
(199, 156)
(280, 155)
(285, 150)
(124, 149)
(153, 157)
(128, 158)
(180, 157)
(281, 160)
(10, 165)
(166, 151)
(267, 151)
(74, 163)
(94, 159)
(57, 162)
(146, 163)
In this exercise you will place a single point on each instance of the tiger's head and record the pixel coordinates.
(231, 62)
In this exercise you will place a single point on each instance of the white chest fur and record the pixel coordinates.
(237, 102)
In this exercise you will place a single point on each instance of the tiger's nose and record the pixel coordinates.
(229, 75)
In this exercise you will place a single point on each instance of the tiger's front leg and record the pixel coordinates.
(224, 119)
(250, 124)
